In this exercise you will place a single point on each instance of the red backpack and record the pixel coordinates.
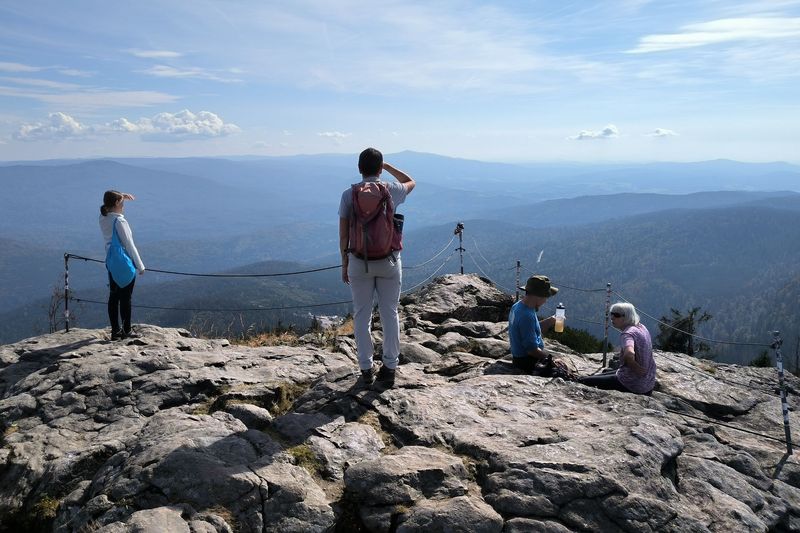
(373, 234)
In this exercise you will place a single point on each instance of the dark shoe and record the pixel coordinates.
(386, 376)
(368, 376)
(131, 334)
(117, 335)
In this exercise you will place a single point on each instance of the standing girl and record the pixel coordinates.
(112, 222)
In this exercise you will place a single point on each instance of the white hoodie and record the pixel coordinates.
(125, 236)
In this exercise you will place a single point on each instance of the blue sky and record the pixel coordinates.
(592, 81)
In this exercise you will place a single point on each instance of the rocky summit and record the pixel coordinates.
(169, 433)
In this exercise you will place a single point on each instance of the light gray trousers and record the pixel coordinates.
(383, 278)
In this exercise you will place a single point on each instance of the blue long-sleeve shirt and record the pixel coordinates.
(524, 331)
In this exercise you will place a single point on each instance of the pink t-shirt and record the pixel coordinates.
(639, 338)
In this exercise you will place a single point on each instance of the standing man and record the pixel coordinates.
(369, 275)
(525, 328)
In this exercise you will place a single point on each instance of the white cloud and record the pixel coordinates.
(122, 125)
(334, 134)
(155, 54)
(164, 71)
(662, 132)
(59, 127)
(720, 31)
(17, 67)
(180, 126)
(609, 132)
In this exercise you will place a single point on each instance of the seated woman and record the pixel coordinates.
(637, 372)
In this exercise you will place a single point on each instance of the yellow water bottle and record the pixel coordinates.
(560, 317)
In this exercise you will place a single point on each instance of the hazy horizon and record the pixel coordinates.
(509, 161)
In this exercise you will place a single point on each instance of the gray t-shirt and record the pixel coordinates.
(396, 189)
(639, 338)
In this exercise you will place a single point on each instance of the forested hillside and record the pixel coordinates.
(732, 252)
(738, 263)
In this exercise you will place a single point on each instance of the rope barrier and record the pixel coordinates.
(586, 321)
(247, 309)
(748, 386)
(431, 276)
(733, 343)
(478, 266)
(488, 265)
(485, 275)
(716, 423)
(218, 275)
(440, 252)
(475, 262)
(81, 300)
(561, 285)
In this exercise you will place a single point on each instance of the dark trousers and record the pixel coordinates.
(606, 381)
(119, 305)
(537, 367)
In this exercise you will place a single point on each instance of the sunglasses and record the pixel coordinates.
(616, 315)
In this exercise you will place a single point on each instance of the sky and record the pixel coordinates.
(516, 81)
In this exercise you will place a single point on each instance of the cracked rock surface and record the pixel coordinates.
(173, 433)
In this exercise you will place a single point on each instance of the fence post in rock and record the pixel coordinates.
(797, 357)
(460, 232)
(784, 407)
(605, 327)
(66, 292)
(516, 287)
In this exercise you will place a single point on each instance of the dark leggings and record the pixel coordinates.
(531, 365)
(119, 304)
(606, 381)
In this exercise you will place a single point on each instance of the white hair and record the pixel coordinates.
(629, 315)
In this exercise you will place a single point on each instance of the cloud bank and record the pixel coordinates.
(59, 127)
(163, 127)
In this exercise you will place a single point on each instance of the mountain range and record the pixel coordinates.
(717, 234)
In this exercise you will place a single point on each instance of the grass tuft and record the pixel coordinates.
(46, 508)
(305, 457)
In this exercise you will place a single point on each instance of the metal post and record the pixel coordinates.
(797, 357)
(605, 334)
(461, 252)
(516, 293)
(66, 292)
(460, 232)
(784, 407)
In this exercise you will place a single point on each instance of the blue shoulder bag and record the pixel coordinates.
(118, 262)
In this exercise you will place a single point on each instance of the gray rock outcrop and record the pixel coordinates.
(174, 433)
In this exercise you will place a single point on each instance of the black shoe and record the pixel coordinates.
(117, 335)
(368, 376)
(386, 376)
(131, 334)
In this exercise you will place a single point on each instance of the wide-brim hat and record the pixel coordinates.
(539, 286)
